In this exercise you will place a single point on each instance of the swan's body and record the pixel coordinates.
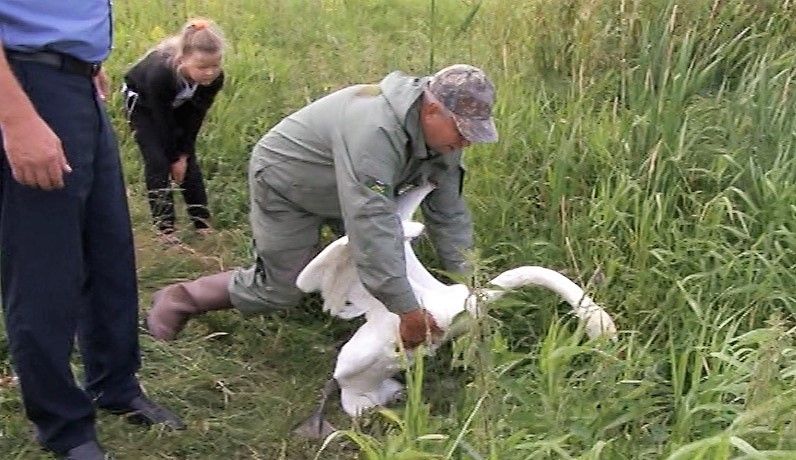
(370, 358)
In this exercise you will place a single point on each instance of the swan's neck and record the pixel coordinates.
(544, 277)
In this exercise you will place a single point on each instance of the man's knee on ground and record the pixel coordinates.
(252, 295)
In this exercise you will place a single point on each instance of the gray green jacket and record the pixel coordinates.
(349, 155)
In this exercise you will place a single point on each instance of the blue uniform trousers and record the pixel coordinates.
(68, 269)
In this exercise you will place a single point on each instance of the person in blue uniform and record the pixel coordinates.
(67, 264)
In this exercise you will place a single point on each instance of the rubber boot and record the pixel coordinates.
(175, 304)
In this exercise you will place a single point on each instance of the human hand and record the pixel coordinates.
(34, 152)
(178, 169)
(416, 326)
(102, 84)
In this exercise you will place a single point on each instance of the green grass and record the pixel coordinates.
(655, 141)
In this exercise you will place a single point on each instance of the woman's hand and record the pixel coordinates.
(178, 169)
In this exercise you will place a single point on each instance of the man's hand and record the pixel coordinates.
(416, 326)
(34, 152)
(178, 169)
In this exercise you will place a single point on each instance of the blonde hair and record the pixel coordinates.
(197, 34)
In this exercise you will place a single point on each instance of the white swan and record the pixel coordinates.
(370, 358)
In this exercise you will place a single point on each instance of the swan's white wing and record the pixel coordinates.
(410, 201)
(333, 273)
(337, 254)
(311, 277)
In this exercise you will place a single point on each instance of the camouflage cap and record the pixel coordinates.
(467, 92)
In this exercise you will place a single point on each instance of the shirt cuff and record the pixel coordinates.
(401, 303)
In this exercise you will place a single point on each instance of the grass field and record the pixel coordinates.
(652, 140)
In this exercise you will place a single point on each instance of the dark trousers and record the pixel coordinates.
(67, 268)
(157, 168)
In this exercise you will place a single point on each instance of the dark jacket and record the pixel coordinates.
(157, 85)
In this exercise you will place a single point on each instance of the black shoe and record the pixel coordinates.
(87, 451)
(143, 411)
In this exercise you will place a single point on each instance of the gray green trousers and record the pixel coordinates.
(286, 220)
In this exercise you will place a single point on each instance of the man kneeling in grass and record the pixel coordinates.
(342, 161)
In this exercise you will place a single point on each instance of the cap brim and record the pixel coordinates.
(477, 130)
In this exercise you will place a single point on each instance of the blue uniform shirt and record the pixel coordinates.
(81, 28)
